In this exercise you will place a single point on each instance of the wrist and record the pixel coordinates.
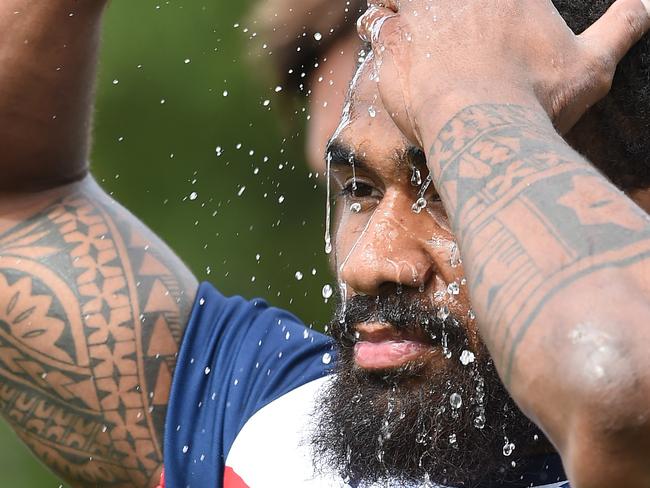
(431, 117)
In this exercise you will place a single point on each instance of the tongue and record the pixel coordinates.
(387, 354)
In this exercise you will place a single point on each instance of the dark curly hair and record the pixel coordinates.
(614, 134)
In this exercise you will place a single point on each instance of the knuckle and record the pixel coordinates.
(630, 21)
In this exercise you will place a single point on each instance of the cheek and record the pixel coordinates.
(350, 229)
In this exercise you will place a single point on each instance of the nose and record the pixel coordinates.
(389, 250)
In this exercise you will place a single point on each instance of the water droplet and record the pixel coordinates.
(207, 370)
(419, 205)
(355, 207)
(508, 448)
(327, 358)
(328, 208)
(219, 151)
(455, 259)
(185, 449)
(372, 111)
(443, 313)
(318, 36)
(479, 422)
(298, 275)
(452, 439)
(453, 288)
(241, 191)
(456, 400)
(416, 177)
(193, 195)
(327, 292)
(466, 357)
(266, 103)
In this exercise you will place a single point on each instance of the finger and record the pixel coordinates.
(620, 28)
(369, 24)
(389, 4)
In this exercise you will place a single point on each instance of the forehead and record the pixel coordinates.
(366, 128)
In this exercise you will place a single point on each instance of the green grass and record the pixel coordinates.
(145, 50)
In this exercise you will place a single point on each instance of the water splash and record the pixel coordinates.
(419, 204)
(328, 236)
(416, 177)
(354, 172)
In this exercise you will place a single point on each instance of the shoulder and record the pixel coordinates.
(237, 357)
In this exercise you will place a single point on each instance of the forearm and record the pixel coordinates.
(48, 55)
(557, 261)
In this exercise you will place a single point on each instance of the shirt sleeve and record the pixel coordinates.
(236, 357)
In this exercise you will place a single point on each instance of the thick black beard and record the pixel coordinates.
(401, 428)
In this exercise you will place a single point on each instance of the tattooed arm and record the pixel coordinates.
(92, 310)
(92, 304)
(557, 259)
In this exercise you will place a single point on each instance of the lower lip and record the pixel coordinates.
(388, 354)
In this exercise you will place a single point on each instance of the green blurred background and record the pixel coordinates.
(161, 113)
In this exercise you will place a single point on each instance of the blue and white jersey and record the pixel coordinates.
(245, 388)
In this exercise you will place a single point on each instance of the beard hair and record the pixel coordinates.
(400, 427)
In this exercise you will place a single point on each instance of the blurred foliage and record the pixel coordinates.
(161, 114)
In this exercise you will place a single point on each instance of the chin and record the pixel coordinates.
(406, 424)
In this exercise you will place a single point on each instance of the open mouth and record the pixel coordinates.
(379, 346)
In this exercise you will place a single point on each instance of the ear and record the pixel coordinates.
(642, 198)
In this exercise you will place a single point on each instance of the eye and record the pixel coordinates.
(359, 195)
(359, 189)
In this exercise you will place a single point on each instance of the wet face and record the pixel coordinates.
(416, 396)
(393, 241)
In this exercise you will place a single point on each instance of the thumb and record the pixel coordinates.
(620, 28)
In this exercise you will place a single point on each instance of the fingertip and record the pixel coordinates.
(646, 4)
(369, 24)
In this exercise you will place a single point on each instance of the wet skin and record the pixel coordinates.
(381, 243)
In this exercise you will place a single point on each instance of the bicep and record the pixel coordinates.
(92, 310)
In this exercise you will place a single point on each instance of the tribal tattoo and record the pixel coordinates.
(531, 217)
(92, 310)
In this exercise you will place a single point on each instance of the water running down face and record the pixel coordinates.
(416, 396)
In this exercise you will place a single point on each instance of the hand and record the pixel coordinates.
(445, 55)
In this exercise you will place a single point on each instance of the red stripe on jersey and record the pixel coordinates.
(162, 479)
(232, 479)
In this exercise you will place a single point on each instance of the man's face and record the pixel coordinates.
(416, 396)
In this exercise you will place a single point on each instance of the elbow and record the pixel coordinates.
(606, 437)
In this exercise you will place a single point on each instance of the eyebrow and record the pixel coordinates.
(342, 155)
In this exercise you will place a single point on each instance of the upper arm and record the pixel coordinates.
(92, 312)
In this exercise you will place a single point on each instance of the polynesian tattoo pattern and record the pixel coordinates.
(531, 217)
(81, 380)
